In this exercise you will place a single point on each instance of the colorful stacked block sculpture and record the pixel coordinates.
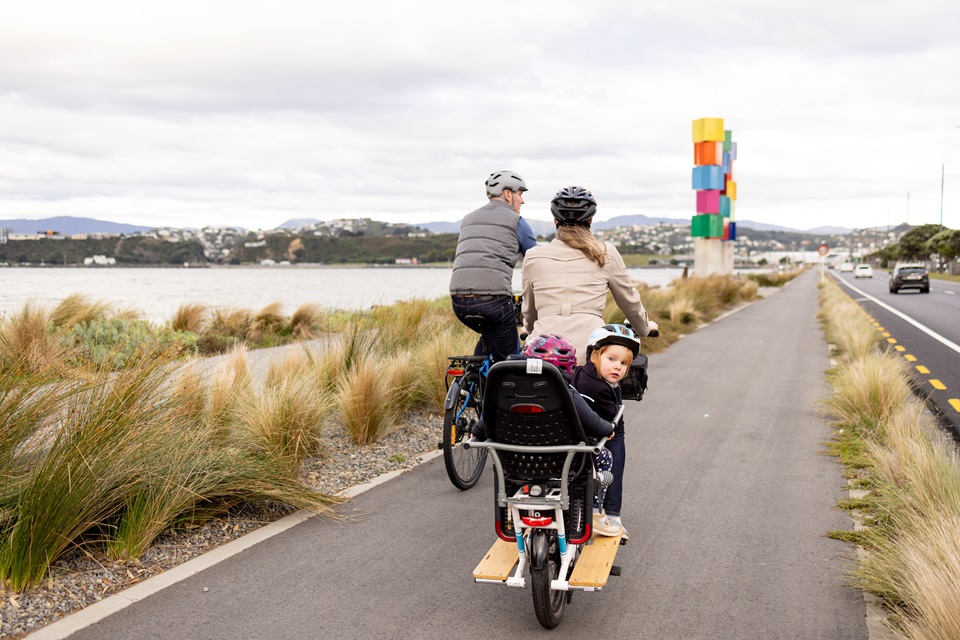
(713, 154)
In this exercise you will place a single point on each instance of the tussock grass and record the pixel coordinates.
(306, 321)
(27, 343)
(913, 563)
(367, 415)
(190, 317)
(269, 321)
(869, 390)
(114, 460)
(232, 323)
(75, 309)
(683, 311)
(401, 324)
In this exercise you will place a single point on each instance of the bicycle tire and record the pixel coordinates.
(464, 467)
(548, 603)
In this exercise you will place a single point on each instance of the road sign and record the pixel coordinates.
(823, 249)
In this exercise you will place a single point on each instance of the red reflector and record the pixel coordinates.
(454, 372)
(536, 522)
(526, 408)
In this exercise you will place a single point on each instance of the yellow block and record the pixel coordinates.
(595, 561)
(499, 562)
(731, 190)
(708, 129)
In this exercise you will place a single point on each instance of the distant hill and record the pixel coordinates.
(68, 225)
(296, 223)
(546, 227)
(763, 226)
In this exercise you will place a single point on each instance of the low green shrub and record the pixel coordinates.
(112, 343)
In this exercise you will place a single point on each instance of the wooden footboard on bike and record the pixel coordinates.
(499, 562)
(595, 561)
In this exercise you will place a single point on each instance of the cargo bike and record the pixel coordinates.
(544, 487)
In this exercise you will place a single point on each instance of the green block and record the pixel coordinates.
(706, 225)
(727, 140)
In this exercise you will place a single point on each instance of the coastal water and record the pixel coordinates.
(157, 293)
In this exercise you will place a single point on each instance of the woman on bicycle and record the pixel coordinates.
(565, 283)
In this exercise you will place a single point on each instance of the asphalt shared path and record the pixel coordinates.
(728, 499)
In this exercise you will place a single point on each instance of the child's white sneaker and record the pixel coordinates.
(603, 527)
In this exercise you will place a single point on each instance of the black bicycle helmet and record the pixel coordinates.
(500, 180)
(613, 334)
(573, 205)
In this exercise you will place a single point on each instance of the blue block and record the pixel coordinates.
(727, 161)
(732, 231)
(708, 177)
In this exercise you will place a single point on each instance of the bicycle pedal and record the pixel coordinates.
(439, 445)
(615, 570)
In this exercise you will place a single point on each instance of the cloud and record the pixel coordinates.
(250, 113)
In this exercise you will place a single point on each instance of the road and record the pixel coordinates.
(728, 498)
(924, 329)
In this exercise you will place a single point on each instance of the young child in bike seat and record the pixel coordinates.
(610, 350)
(559, 352)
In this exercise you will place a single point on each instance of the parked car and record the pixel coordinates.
(863, 271)
(909, 276)
(846, 266)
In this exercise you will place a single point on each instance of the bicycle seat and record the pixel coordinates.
(528, 404)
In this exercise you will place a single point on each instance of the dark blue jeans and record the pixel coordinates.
(611, 502)
(500, 331)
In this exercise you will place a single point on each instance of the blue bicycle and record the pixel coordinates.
(461, 411)
(462, 408)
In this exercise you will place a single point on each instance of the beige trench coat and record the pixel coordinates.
(564, 293)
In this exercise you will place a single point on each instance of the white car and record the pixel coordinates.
(846, 266)
(863, 271)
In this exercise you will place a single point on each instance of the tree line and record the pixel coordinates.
(920, 244)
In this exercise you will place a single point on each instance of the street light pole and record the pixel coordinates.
(941, 197)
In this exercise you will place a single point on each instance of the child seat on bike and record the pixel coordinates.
(539, 447)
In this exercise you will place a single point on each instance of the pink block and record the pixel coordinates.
(708, 201)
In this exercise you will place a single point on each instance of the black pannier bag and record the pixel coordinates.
(634, 384)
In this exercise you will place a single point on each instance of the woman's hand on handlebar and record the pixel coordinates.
(653, 329)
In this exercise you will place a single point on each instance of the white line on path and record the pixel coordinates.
(930, 332)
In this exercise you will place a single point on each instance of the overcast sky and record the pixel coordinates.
(250, 113)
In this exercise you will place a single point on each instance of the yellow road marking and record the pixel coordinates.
(880, 329)
(892, 340)
(955, 403)
(910, 357)
(886, 334)
(938, 385)
(922, 369)
(900, 348)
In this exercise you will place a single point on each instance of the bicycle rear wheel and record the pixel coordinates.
(463, 466)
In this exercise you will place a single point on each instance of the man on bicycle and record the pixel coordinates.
(493, 239)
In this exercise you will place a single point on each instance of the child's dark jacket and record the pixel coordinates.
(603, 398)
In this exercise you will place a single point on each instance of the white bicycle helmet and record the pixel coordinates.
(500, 180)
(613, 334)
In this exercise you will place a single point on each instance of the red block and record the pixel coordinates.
(708, 201)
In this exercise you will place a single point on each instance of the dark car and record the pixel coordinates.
(909, 276)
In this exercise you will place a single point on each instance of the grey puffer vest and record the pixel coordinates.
(487, 251)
